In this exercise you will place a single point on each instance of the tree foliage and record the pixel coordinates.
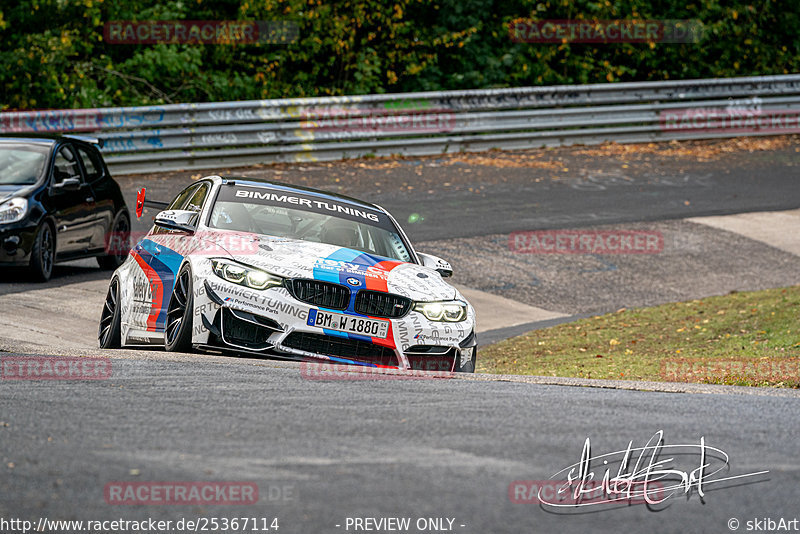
(53, 54)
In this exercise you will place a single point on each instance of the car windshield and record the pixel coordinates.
(22, 164)
(295, 215)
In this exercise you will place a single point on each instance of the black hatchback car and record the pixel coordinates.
(58, 202)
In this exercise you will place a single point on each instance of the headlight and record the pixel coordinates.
(13, 210)
(244, 275)
(451, 311)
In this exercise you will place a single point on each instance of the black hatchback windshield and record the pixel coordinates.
(22, 164)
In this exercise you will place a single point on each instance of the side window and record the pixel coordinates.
(182, 197)
(66, 165)
(195, 203)
(178, 204)
(91, 163)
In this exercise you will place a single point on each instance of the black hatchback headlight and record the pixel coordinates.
(13, 210)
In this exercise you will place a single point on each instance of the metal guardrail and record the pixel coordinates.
(229, 134)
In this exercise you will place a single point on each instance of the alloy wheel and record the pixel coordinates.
(107, 317)
(46, 249)
(177, 306)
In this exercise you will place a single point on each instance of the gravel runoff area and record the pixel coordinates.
(696, 261)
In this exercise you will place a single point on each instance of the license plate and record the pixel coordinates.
(348, 323)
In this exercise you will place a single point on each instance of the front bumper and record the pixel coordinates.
(16, 242)
(273, 322)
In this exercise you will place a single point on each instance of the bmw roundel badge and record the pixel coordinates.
(354, 281)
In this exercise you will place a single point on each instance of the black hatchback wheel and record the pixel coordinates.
(109, 332)
(178, 333)
(43, 254)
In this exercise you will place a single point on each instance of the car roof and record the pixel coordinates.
(24, 138)
(47, 138)
(260, 182)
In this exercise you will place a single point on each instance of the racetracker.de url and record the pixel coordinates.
(143, 526)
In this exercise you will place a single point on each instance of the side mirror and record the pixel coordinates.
(183, 220)
(443, 267)
(68, 184)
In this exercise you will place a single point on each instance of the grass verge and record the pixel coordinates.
(746, 339)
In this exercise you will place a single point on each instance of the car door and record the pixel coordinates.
(72, 203)
(159, 256)
(99, 184)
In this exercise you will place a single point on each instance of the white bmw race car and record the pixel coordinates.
(258, 267)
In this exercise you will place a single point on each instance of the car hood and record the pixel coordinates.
(9, 191)
(304, 259)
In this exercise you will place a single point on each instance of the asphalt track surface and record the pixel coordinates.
(325, 450)
(328, 450)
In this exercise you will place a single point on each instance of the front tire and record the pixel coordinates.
(119, 243)
(43, 254)
(109, 332)
(178, 332)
